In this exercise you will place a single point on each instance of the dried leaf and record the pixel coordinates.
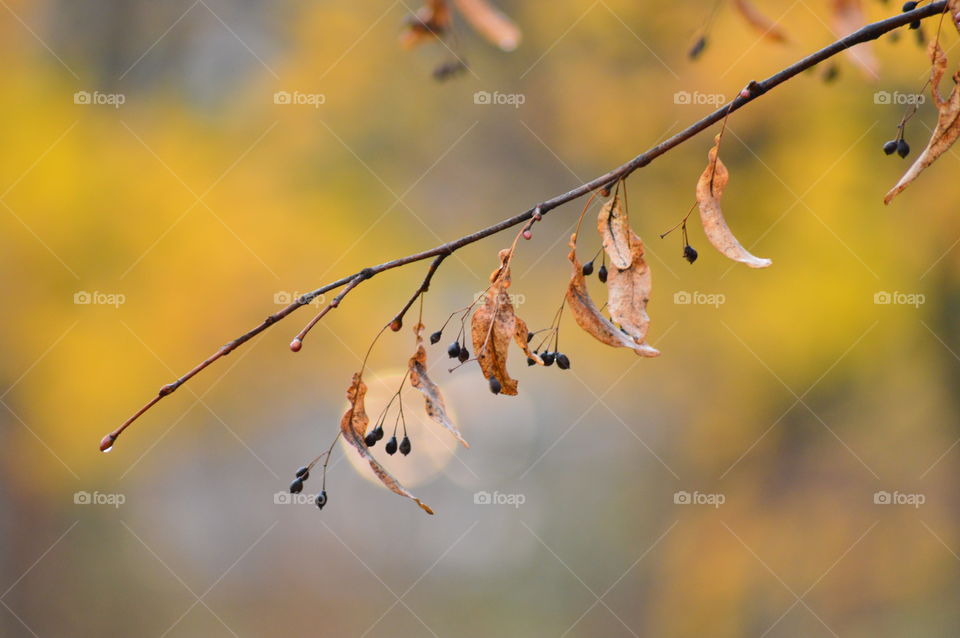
(756, 19)
(419, 379)
(587, 316)
(847, 17)
(629, 282)
(615, 232)
(494, 324)
(709, 191)
(948, 122)
(953, 9)
(354, 424)
(429, 22)
(490, 23)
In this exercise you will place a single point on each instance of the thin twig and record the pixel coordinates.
(754, 90)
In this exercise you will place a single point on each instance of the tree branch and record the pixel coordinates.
(747, 95)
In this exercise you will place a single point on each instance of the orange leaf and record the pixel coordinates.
(587, 316)
(756, 19)
(490, 23)
(429, 22)
(709, 191)
(436, 409)
(629, 282)
(948, 122)
(353, 424)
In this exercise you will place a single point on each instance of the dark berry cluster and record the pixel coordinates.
(297, 486)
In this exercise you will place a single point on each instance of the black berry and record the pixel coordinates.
(697, 48)
(303, 473)
(378, 432)
(435, 337)
(371, 438)
(392, 446)
(529, 337)
(453, 350)
(903, 149)
(547, 358)
(297, 486)
(405, 446)
(602, 273)
(890, 147)
(909, 6)
(915, 24)
(495, 385)
(588, 268)
(464, 355)
(690, 253)
(321, 499)
(563, 362)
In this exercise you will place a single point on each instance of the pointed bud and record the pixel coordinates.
(321, 499)
(435, 337)
(106, 443)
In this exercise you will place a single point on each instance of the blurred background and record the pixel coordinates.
(787, 467)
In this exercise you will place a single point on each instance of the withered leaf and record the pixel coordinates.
(756, 19)
(419, 379)
(494, 325)
(354, 424)
(953, 9)
(588, 317)
(710, 188)
(948, 122)
(490, 23)
(615, 232)
(847, 17)
(429, 22)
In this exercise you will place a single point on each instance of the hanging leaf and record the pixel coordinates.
(847, 17)
(419, 379)
(490, 23)
(710, 188)
(948, 122)
(629, 282)
(430, 21)
(354, 424)
(588, 317)
(494, 324)
(760, 22)
(953, 9)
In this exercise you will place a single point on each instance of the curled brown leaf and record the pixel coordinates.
(429, 22)
(629, 283)
(354, 424)
(948, 122)
(491, 23)
(756, 19)
(588, 317)
(419, 379)
(710, 188)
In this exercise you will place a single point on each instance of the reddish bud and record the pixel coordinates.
(296, 344)
(745, 94)
(396, 324)
(106, 444)
(527, 234)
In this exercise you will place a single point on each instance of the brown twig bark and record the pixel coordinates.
(751, 92)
